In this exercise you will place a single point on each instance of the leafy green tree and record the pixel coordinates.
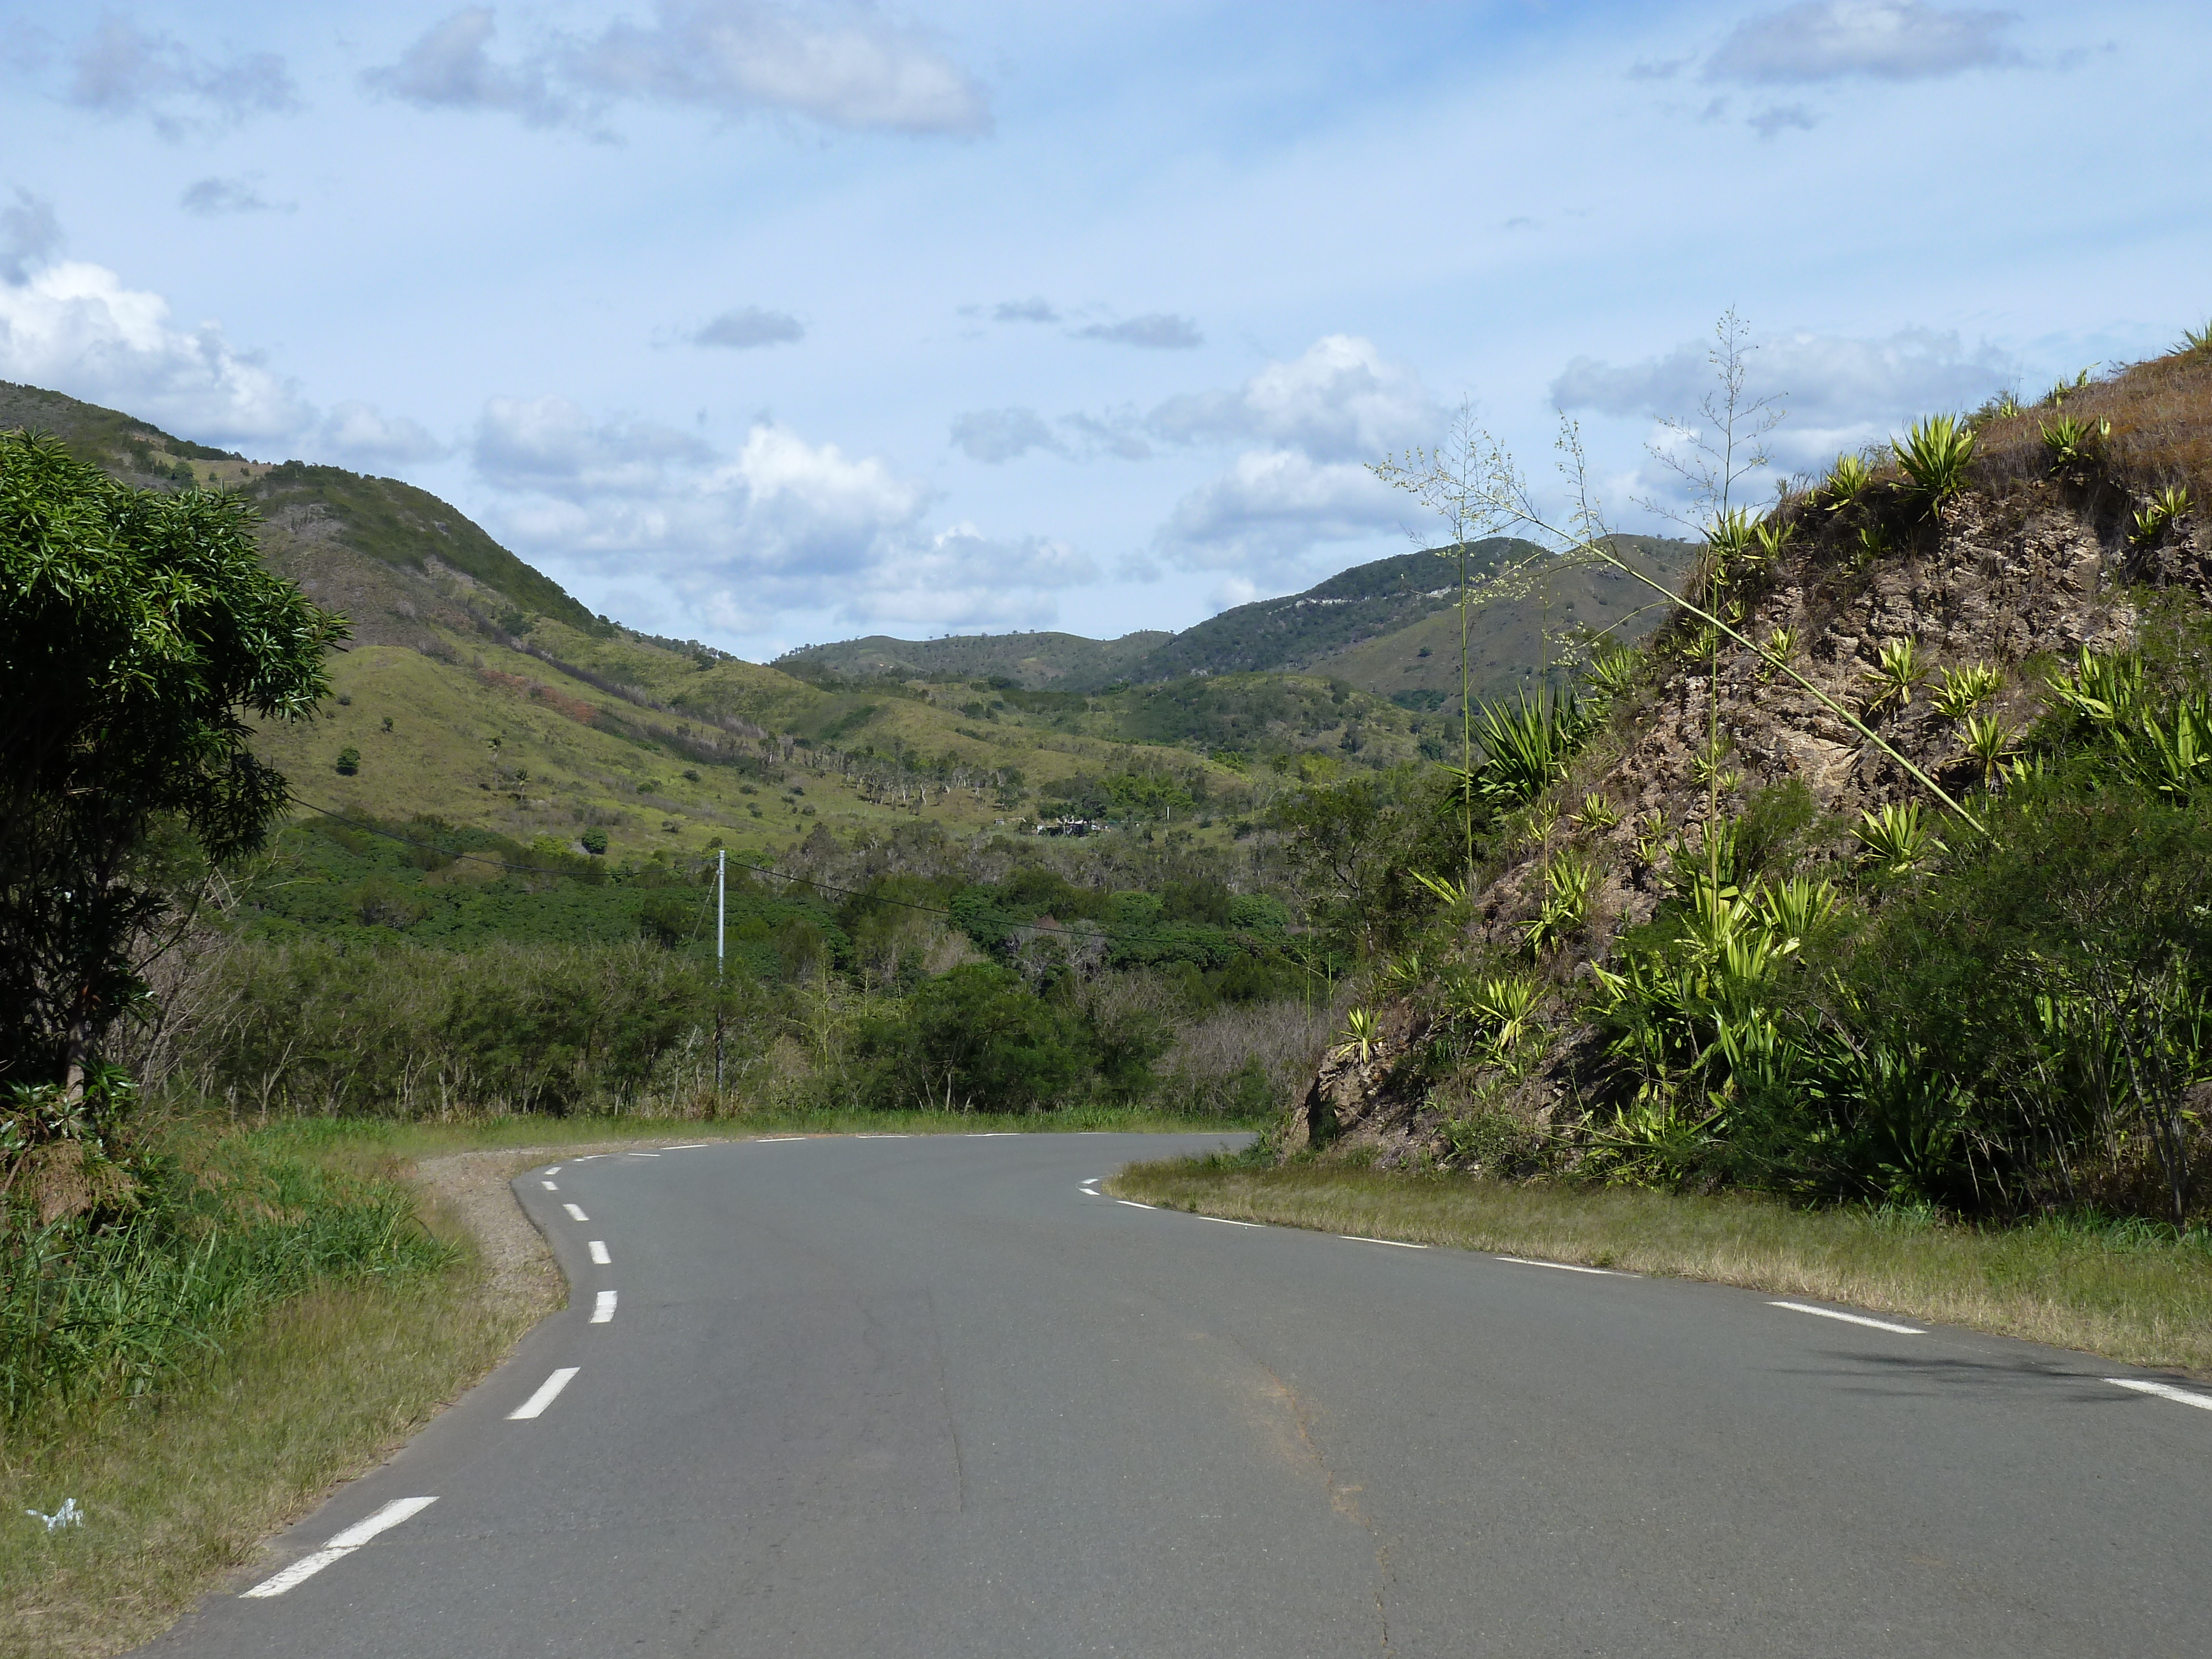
(978, 1037)
(137, 630)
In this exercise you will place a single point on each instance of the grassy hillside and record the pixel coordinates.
(1031, 661)
(477, 694)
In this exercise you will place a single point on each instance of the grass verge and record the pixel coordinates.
(2127, 1292)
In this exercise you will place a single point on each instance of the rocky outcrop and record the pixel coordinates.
(2021, 577)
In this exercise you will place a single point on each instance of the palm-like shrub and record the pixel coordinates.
(1848, 480)
(1613, 674)
(1597, 812)
(2196, 342)
(1570, 882)
(1893, 839)
(2073, 442)
(1990, 741)
(1895, 675)
(2160, 511)
(1361, 1035)
(1527, 744)
(1965, 690)
(1933, 455)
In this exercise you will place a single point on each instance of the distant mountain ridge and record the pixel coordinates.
(1342, 627)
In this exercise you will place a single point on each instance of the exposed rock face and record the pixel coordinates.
(1365, 1102)
(2038, 572)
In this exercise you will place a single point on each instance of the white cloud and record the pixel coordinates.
(121, 70)
(1036, 309)
(210, 197)
(1886, 40)
(1271, 507)
(30, 234)
(994, 435)
(750, 326)
(1780, 117)
(784, 524)
(76, 328)
(1839, 392)
(548, 445)
(853, 70)
(1341, 400)
(448, 67)
(363, 436)
(1156, 330)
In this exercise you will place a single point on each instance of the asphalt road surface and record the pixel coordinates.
(934, 1397)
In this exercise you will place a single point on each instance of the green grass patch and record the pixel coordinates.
(2130, 1290)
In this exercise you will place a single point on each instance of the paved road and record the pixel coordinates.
(932, 1397)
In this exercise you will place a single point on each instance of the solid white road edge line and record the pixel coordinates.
(1395, 1243)
(548, 1392)
(600, 1257)
(1564, 1267)
(576, 1214)
(2163, 1390)
(603, 1308)
(340, 1547)
(1849, 1319)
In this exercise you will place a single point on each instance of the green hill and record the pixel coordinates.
(1030, 661)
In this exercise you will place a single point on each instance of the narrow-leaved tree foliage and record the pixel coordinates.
(138, 631)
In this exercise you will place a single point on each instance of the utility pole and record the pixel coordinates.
(721, 866)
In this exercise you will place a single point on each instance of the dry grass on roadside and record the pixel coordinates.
(175, 1494)
(2146, 1303)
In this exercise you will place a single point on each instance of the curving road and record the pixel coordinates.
(935, 1397)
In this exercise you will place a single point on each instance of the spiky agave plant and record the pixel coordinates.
(2196, 342)
(2072, 442)
(2153, 519)
(1528, 744)
(1502, 1007)
(1933, 455)
(1848, 479)
(1893, 839)
(2103, 690)
(1781, 645)
(1790, 910)
(2061, 391)
(1895, 674)
(1651, 836)
(1965, 690)
(1990, 741)
(1613, 674)
(1570, 881)
(1361, 1035)
(1597, 812)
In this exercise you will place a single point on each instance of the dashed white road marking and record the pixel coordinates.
(600, 1257)
(1564, 1267)
(548, 1392)
(1395, 1243)
(552, 1169)
(576, 1214)
(2163, 1390)
(1227, 1222)
(687, 1146)
(878, 1135)
(549, 1187)
(641, 1154)
(1849, 1319)
(603, 1308)
(770, 1140)
(340, 1547)
(1133, 1203)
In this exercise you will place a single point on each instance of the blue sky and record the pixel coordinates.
(764, 324)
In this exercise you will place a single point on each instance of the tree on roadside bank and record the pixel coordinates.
(138, 631)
